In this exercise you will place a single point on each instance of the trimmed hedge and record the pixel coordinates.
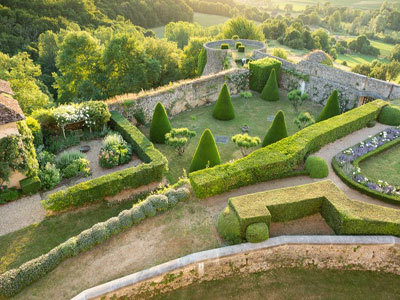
(316, 167)
(344, 216)
(160, 124)
(238, 44)
(224, 46)
(98, 189)
(15, 280)
(331, 108)
(206, 154)
(223, 108)
(9, 195)
(390, 115)
(281, 158)
(30, 185)
(260, 71)
(271, 91)
(277, 131)
(241, 49)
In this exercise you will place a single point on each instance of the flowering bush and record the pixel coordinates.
(115, 151)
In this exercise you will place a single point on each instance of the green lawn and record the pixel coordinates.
(254, 112)
(384, 166)
(295, 284)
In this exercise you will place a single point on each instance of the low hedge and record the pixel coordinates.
(281, 158)
(30, 185)
(13, 281)
(9, 195)
(343, 215)
(241, 49)
(98, 189)
(224, 46)
(260, 70)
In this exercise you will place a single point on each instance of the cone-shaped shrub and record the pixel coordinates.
(277, 131)
(223, 108)
(271, 92)
(331, 108)
(206, 153)
(160, 124)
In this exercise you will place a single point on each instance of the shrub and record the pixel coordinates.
(317, 167)
(160, 124)
(68, 158)
(5, 172)
(296, 98)
(280, 52)
(277, 131)
(238, 44)
(271, 92)
(390, 115)
(224, 46)
(228, 226)
(304, 120)
(246, 94)
(125, 219)
(206, 154)
(260, 71)
(178, 138)
(49, 176)
(201, 62)
(245, 142)
(160, 202)
(8, 195)
(79, 167)
(331, 108)
(30, 185)
(36, 130)
(115, 151)
(148, 208)
(223, 108)
(257, 232)
(344, 63)
(241, 49)
(45, 157)
(137, 214)
(235, 37)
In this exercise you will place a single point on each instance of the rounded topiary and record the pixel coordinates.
(125, 219)
(241, 49)
(390, 115)
(137, 215)
(317, 167)
(271, 91)
(160, 124)
(223, 108)
(206, 154)
(257, 232)
(277, 131)
(160, 202)
(229, 227)
(331, 108)
(148, 209)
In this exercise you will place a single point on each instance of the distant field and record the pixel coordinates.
(203, 19)
(302, 4)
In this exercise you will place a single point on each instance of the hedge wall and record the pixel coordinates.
(344, 216)
(279, 159)
(97, 189)
(15, 280)
(260, 70)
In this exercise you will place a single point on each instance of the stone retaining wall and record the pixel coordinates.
(374, 253)
(180, 96)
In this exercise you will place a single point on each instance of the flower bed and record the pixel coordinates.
(346, 165)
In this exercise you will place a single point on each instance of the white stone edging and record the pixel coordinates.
(228, 251)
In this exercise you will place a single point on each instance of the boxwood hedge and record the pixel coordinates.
(260, 70)
(281, 158)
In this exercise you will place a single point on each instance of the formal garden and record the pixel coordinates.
(217, 159)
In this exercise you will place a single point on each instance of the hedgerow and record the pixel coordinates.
(281, 158)
(260, 71)
(13, 281)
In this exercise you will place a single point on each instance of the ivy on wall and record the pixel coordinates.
(294, 73)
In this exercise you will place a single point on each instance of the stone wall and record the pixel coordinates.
(180, 96)
(320, 80)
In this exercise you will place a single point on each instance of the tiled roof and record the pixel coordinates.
(5, 87)
(10, 111)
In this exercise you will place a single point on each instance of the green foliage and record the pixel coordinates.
(223, 108)
(280, 52)
(36, 130)
(280, 159)
(228, 226)
(241, 49)
(30, 185)
(379, 70)
(237, 44)
(9, 195)
(5, 172)
(115, 151)
(271, 91)
(390, 115)
(395, 53)
(68, 157)
(331, 108)
(304, 120)
(245, 142)
(242, 27)
(316, 167)
(206, 154)
(49, 176)
(202, 61)
(78, 167)
(159, 202)
(189, 60)
(160, 124)
(246, 94)
(257, 232)
(277, 131)
(178, 138)
(224, 46)
(181, 32)
(296, 98)
(362, 45)
(260, 71)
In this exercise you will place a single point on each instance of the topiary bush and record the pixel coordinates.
(331, 108)
(257, 232)
(277, 131)
(238, 44)
(201, 62)
(390, 115)
(206, 154)
(260, 70)
(228, 226)
(270, 91)
(160, 124)
(148, 208)
(317, 167)
(223, 108)
(224, 46)
(241, 49)
(159, 202)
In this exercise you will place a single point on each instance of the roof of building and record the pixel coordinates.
(5, 87)
(10, 111)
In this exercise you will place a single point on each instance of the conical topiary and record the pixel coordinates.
(270, 91)
(160, 124)
(331, 108)
(206, 153)
(223, 108)
(277, 131)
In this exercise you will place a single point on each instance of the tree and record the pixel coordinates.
(395, 54)
(323, 38)
(202, 61)
(223, 108)
(181, 32)
(304, 120)
(271, 91)
(331, 108)
(277, 131)
(190, 56)
(5, 173)
(160, 124)
(206, 154)
(178, 138)
(242, 27)
(245, 142)
(296, 98)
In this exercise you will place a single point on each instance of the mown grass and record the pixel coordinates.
(295, 283)
(254, 112)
